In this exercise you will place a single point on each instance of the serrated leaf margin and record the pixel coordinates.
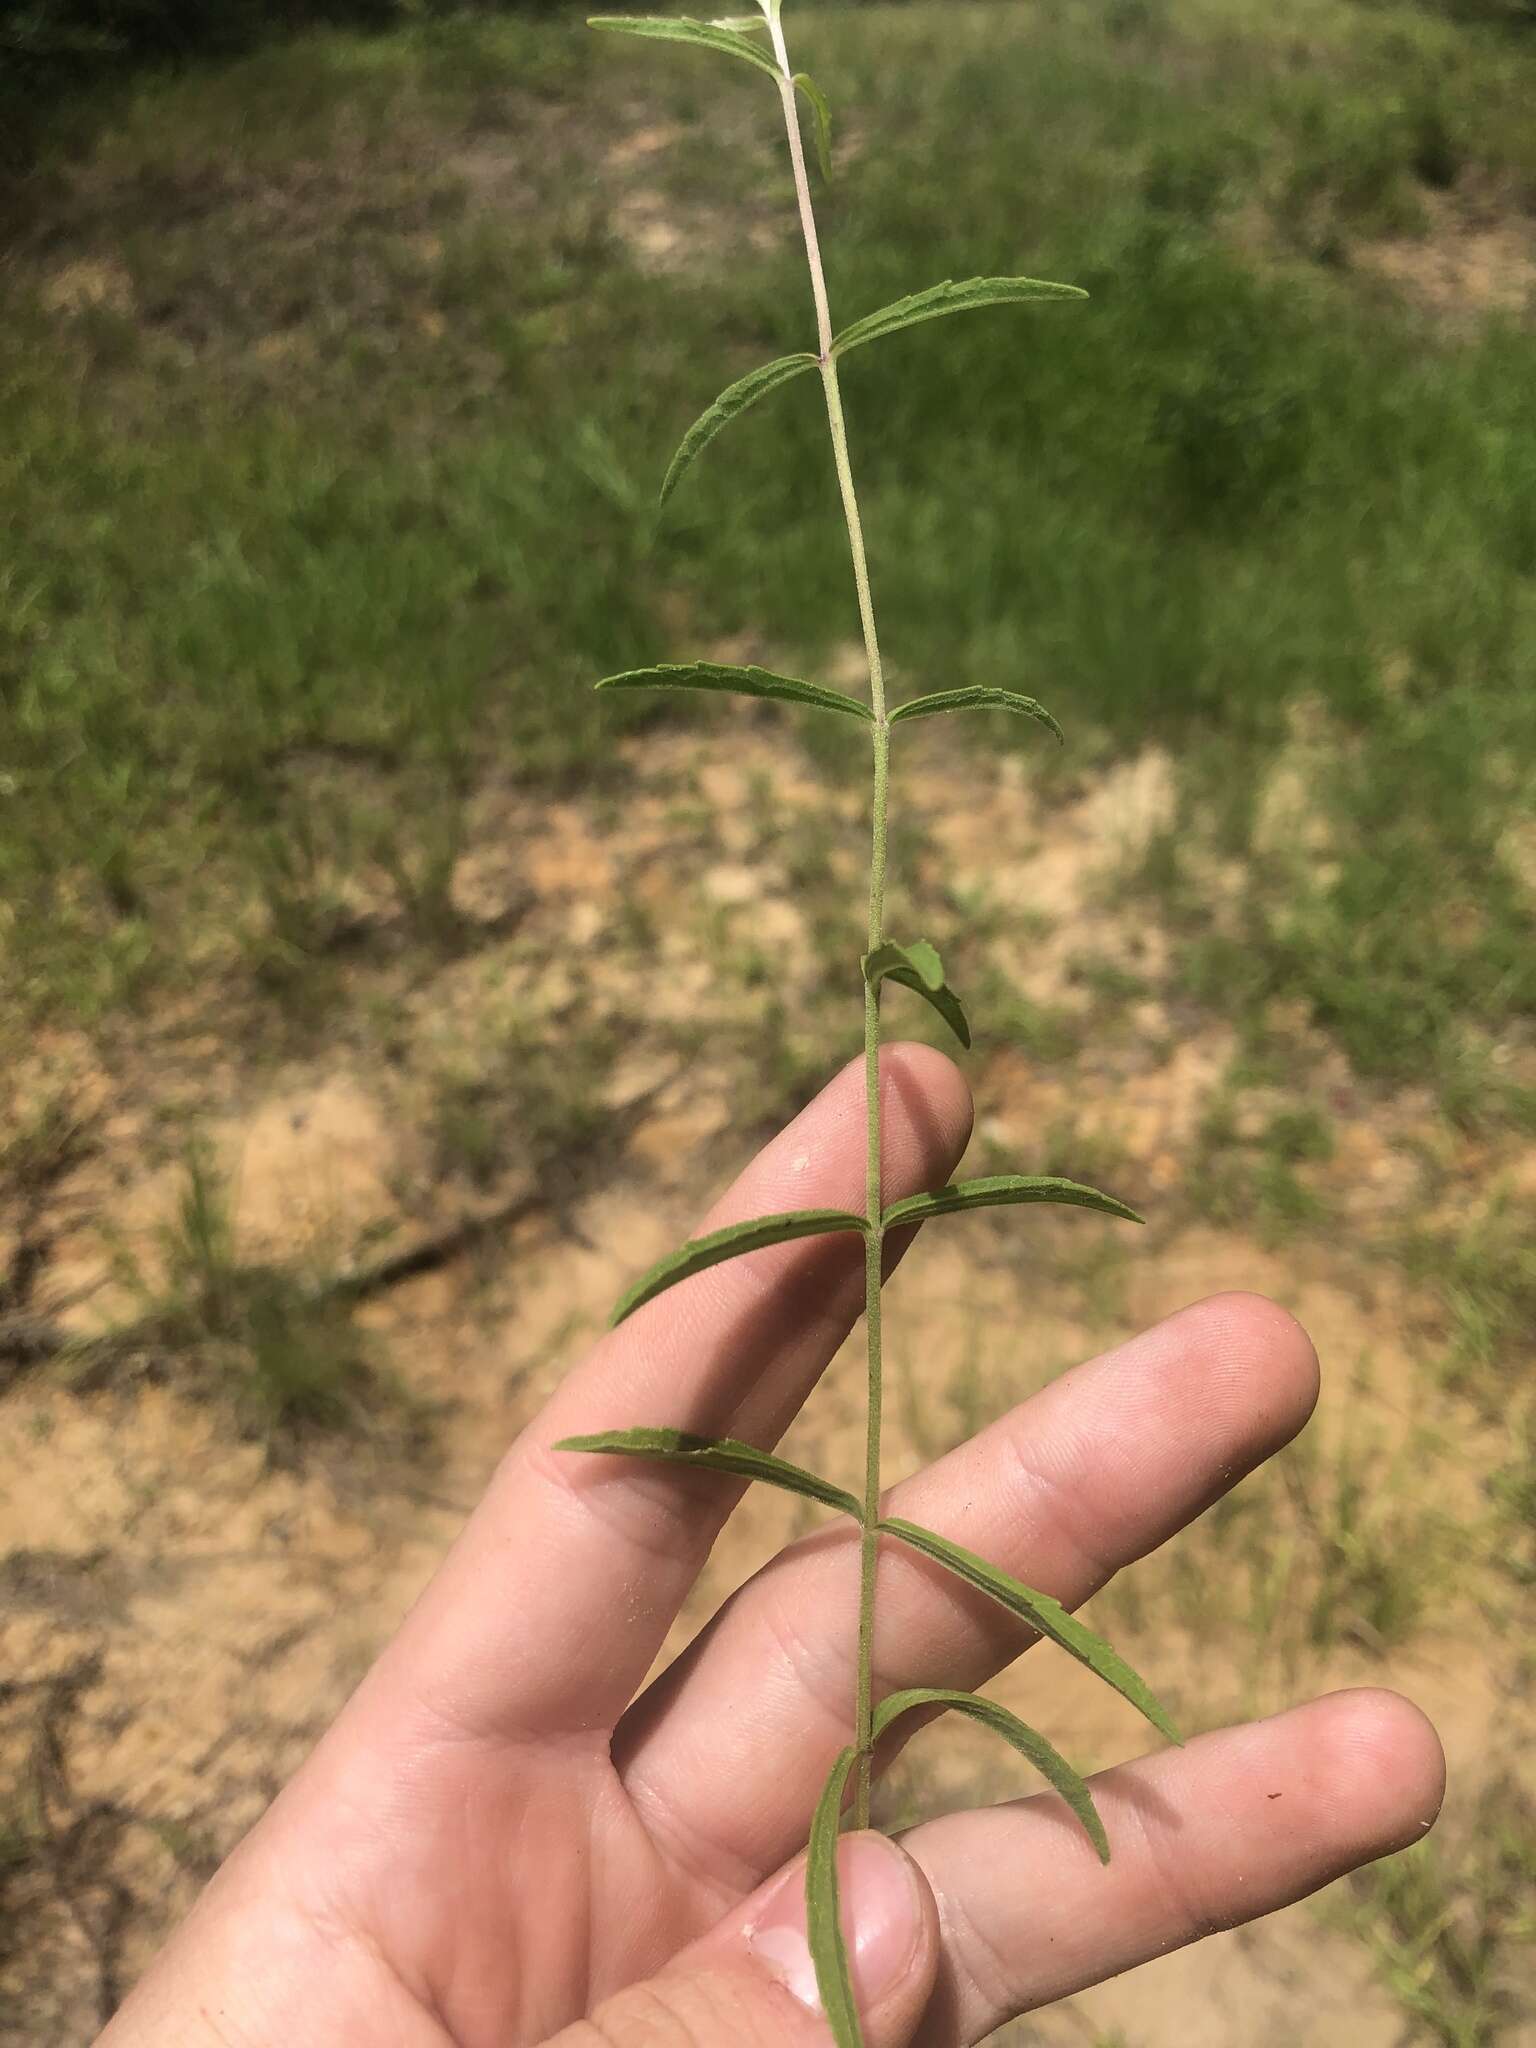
(719, 677)
(937, 301)
(978, 697)
(682, 28)
(736, 399)
(1006, 1190)
(734, 1241)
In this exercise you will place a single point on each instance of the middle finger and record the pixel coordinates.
(730, 1746)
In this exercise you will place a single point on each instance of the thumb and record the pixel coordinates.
(750, 1983)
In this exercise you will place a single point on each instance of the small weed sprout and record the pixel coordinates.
(914, 965)
(287, 1346)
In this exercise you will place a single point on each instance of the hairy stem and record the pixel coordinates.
(864, 1705)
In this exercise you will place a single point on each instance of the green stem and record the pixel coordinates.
(869, 1545)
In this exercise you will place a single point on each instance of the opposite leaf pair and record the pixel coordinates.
(1047, 1617)
(1003, 1190)
(762, 682)
(949, 297)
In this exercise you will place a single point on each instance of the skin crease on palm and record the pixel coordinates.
(508, 1837)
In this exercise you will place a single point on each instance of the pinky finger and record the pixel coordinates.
(1236, 1825)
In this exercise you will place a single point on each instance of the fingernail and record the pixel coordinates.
(882, 1922)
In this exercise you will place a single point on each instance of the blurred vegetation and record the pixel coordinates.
(332, 406)
(50, 49)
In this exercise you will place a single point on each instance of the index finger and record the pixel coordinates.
(553, 1604)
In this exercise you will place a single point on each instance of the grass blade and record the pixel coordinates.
(823, 1920)
(919, 968)
(1049, 1762)
(1003, 1191)
(731, 1243)
(714, 1454)
(1043, 1613)
(730, 405)
(978, 697)
(949, 297)
(744, 682)
(823, 113)
(706, 35)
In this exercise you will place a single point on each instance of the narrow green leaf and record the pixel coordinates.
(730, 1243)
(978, 697)
(949, 297)
(1003, 1191)
(714, 1454)
(823, 113)
(1042, 1613)
(731, 403)
(744, 682)
(707, 35)
(1049, 1762)
(823, 1920)
(919, 968)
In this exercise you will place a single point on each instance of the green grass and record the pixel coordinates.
(283, 1345)
(345, 457)
(1452, 1929)
(1254, 1175)
(529, 1101)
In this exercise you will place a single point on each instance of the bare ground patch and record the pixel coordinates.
(1475, 261)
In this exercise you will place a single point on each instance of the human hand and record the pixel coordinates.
(505, 1841)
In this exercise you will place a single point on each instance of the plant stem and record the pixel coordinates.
(869, 1547)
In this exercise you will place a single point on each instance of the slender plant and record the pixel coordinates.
(914, 965)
